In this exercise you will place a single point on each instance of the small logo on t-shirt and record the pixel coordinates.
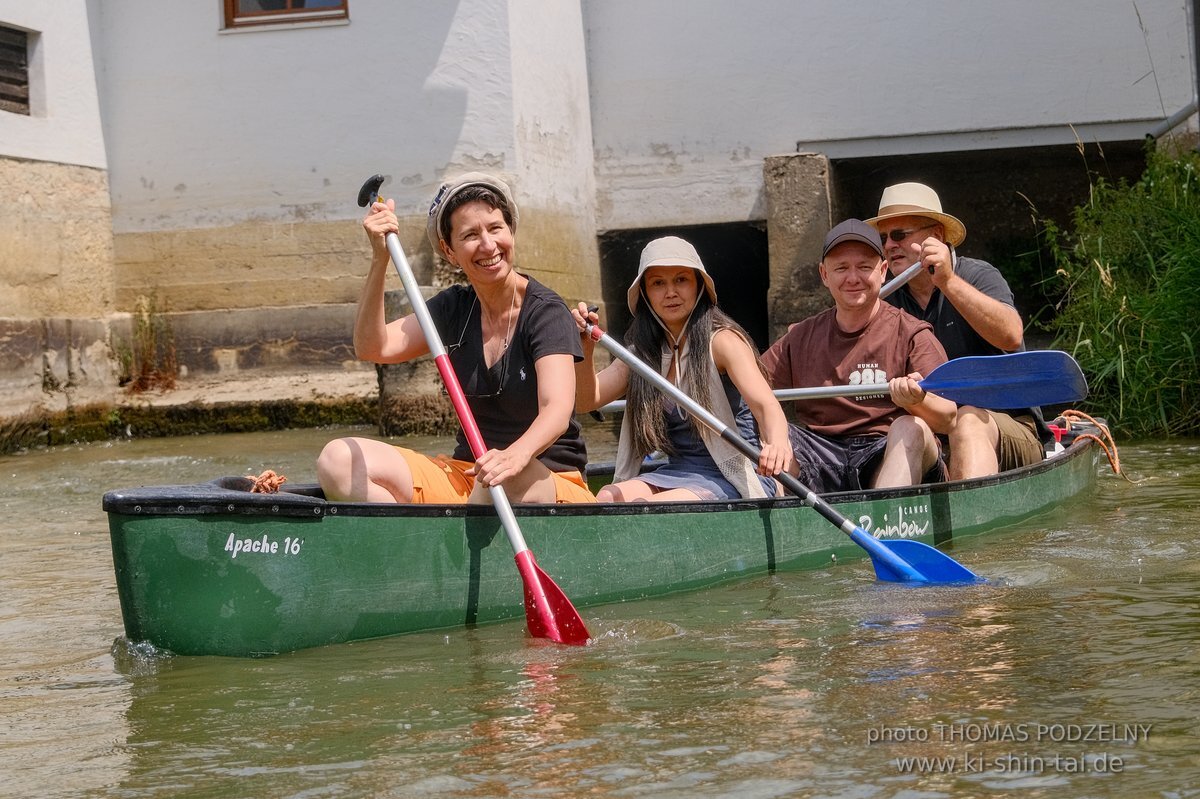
(522, 374)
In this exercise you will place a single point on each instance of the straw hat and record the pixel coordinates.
(917, 199)
(668, 251)
(451, 187)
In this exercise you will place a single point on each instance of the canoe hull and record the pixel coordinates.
(210, 570)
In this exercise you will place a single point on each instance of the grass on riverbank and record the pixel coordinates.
(1130, 272)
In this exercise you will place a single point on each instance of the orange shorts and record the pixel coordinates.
(439, 480)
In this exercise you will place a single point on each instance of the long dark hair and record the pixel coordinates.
(646, 337)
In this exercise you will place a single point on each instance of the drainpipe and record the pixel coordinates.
(1162, 128)
(1180, 116)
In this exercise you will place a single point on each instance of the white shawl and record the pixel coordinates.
(733, 465)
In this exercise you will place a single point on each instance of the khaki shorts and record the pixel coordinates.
(1019, 443)
(439, 480)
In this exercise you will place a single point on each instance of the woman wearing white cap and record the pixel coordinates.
(513, 345)
(676, 324)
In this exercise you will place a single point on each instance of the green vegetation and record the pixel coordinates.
(150, 360)
(1130, 279)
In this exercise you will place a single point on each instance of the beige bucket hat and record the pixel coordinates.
(451, 187)
(917, 199)
(668, 251)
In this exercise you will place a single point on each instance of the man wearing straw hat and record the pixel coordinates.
(970, 305)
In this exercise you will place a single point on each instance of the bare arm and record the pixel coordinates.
(938, 412)
(593, 390)
(736, 359)
(999, 324)
(374, 338)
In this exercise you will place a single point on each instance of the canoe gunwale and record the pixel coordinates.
(231, 495)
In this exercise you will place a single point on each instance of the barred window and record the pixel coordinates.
(14, 70)
(244, 13)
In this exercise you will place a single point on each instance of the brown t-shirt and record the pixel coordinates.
(816, 352)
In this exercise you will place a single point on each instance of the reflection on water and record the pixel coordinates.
(818, 683)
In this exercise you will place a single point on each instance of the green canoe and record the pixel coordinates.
(212, 569)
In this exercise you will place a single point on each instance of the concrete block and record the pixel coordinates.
(798, 217)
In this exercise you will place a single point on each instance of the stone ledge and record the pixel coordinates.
(247, 400)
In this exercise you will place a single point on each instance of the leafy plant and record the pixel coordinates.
(149, 361)
(1130, 277)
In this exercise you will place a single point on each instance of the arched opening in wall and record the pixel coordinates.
(1000, 196)
(735, 254)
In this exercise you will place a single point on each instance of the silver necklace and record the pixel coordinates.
(504, 342)
(511, 320)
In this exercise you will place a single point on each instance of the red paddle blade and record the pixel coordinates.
(548, 612)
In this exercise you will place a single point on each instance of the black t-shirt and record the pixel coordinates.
(504, 398)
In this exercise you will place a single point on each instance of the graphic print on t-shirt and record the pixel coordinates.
(865, 375)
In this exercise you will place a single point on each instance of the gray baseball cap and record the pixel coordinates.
(852, 230)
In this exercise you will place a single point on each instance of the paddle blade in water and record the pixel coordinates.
(1016, 380)
(548, 612)
(933, 565)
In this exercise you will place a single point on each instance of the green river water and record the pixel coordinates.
(1075, 672)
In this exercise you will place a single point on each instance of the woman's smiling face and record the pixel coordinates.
(481, 242)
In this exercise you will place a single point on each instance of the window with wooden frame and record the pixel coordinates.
(247, 13)
(14, 70)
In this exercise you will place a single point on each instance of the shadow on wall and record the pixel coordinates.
(735, 254)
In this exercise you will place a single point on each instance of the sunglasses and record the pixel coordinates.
(900, 235)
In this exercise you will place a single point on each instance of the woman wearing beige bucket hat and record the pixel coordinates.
(678, 326)
(512, 344)
(971, 308)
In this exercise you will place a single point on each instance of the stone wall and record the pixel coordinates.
(56, 245)
(798, 217)
(56, 267)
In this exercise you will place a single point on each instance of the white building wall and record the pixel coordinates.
(209, 127)
(551, 117)
(64, 123)
(237, 155)
(686, 96)
(689, 97)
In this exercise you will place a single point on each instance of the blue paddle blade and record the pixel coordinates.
(1016, 380)
(903, 561)
(933, 565)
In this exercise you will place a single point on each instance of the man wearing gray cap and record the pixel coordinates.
(850, 443)
(970, 305)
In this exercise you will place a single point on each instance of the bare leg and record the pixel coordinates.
(911, 451)
(535, 483)
(973, 444)
(638, 491)
(363, 470)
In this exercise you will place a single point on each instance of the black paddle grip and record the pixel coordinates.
(370, 190)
